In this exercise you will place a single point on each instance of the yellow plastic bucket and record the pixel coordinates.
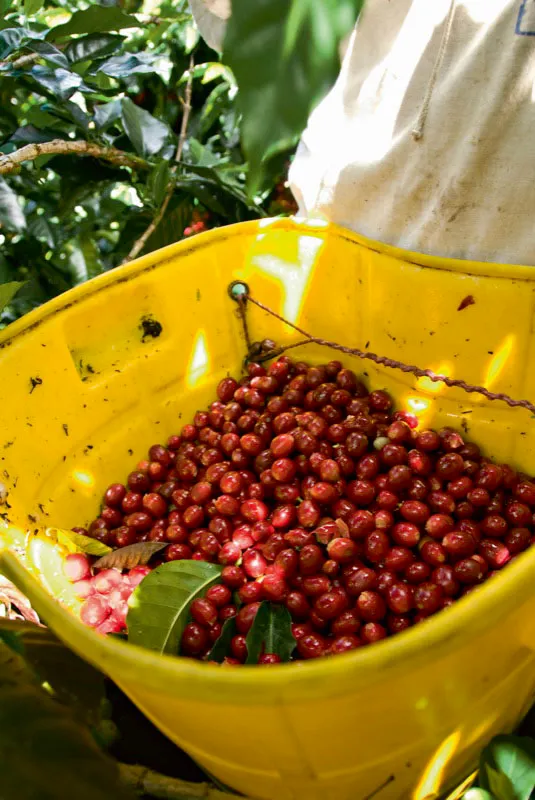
(84, 393)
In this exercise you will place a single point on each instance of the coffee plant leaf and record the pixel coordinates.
(130, 64)
(159, 181)
(500, 784)
(95, 19)
(12, 38)
(271, 632)
(285, 57)
(159, 605)
(176, 218)
(49, 52)
(147, 134)
(130, 556)
(44, 751)
(11, 214)
(77, 542)
(40, 228)
(62, 83)
(221, 647)
(31, 7)
(107, 113)
(66, 218)
(91, 46)
(8, 292)
(507, 767)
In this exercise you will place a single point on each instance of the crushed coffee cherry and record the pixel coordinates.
(314, 493)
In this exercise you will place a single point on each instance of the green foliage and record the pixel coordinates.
(8, 292)
(147, 134)
(271, 632)
(113, 75)
(11, 213)
(46, 751)
(506, 770)
(284, 54)
(95, 19)
(159, 606)
(222, 646)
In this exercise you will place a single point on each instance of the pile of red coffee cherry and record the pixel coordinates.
(312, 492)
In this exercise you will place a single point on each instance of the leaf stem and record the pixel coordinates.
(140, 243)
(10, 163)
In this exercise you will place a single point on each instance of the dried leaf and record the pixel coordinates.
(10, 596)
(77, 542)
(130, 556)
(468, 301)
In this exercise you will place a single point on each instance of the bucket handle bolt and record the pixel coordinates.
(238, 291)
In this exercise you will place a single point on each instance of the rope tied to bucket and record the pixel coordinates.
(266, 350)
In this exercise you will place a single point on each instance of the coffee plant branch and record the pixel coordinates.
(10, 163)
(22, 61)
(145, 782)
(140, 243)
(31, 58)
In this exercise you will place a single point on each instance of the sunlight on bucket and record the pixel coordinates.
(429, 784)
(499, 361)
(83, 481)
(292, 275)
(200, 361)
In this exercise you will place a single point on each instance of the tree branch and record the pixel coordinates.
(10, 163)
(143, 781)
(140, 243)
(151, 19)
(24, 61)
(21, 61)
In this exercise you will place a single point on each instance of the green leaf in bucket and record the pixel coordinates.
(222, 646)
(77, 542)
(507, 767)
(271, 632)
(159, 606)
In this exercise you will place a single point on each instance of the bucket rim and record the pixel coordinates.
(320, 228)
(125, 662)
(130, 665)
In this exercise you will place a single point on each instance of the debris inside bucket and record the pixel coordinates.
(300, 516)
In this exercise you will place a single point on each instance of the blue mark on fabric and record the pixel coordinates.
(525, 22)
